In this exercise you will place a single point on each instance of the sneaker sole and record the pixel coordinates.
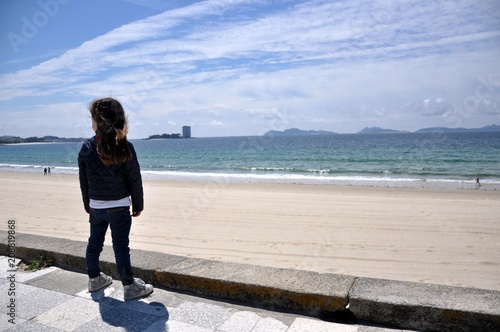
(103, 286)
(138, 296)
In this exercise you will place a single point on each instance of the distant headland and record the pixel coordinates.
(186, 133)
(35, 139)
(378, 130)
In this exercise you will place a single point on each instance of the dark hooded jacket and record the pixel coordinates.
(107, 183)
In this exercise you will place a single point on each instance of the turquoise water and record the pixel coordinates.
(447, 160)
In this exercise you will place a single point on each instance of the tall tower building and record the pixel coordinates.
(186, 132)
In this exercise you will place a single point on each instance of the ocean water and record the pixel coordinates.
(429, 160)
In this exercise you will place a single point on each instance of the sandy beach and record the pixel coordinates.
(449, 237)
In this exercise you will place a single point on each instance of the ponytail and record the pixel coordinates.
(112, 129)
(121, 134)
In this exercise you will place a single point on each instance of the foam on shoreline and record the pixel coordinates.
(320, 179)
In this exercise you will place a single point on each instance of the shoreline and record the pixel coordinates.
(445, 236)
(252, 178)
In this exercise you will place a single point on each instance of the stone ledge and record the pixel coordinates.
(425, 307)
(304, 292)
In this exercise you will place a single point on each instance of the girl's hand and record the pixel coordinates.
(136, 214)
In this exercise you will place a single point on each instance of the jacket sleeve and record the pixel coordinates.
(135, 181)
(82, 171)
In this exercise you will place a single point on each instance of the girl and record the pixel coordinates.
(109, 176)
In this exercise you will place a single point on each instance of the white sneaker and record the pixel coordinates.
(99, 282)
(138, 289)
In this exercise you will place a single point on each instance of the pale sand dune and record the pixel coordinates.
(447, 237)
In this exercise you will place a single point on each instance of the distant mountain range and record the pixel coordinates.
(378, 130)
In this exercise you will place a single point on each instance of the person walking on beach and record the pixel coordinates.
(477, 182)
(109, 177)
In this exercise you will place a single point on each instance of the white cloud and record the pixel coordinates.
(308, 61)
(429, 107)
(216, 124)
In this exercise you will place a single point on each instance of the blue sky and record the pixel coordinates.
(241, 67)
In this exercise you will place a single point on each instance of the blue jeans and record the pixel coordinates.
(120, 221)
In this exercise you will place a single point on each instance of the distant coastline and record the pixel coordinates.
(378, 130)
(5, 140)
(37, 140)
(165, 136)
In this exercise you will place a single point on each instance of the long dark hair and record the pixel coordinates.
(112, 129)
